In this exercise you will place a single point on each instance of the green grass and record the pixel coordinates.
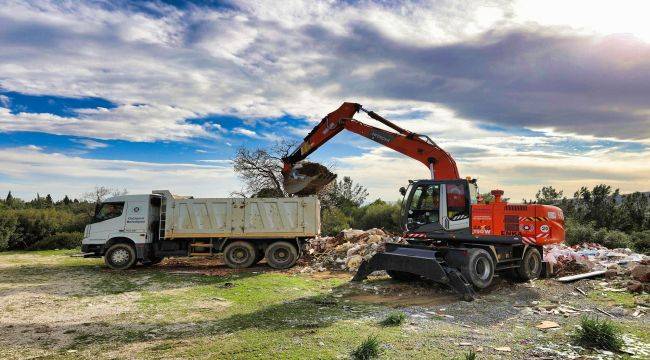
(614, 298)
(395, 318)
(262, 315)
(471, 355)
(367, 350)
(600, 334)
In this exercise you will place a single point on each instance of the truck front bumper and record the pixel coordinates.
(92, 250)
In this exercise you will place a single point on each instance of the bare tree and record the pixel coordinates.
(261, 170)
(100, 193)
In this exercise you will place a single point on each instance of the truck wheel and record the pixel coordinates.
(531, 265)
(239, 254)
(120, 257)
(478, 268)
(281, 255)
(402, 275)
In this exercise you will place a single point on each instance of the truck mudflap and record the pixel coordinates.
(423, 262)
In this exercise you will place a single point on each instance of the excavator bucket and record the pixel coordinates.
(307, 178)
(423, 262)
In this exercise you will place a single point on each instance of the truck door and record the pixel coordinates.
(108, 219)
(137, 214)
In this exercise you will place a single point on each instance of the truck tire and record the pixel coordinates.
(120, 257)
(531, 265)
(478, 268)
(239, 254)
(281, 255)
(402, 275)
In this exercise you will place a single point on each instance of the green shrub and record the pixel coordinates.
(471, 355)
(577, 233)
(8, 223)
(62, 240)
(611, 239)
(333, 221)
(379, 214)
(594, 333)
(640, 241)
(394, 319)
(369, 349)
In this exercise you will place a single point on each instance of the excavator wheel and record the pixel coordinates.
(478, 268)
(402, 275)
(531, 265)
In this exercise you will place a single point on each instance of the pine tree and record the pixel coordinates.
(48, 200)
(66, 200)
(9, 199)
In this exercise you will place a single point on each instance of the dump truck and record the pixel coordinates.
(132, 229)
(454, 237)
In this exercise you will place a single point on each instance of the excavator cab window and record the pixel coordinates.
(424, 206)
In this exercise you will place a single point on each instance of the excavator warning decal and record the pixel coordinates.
(533, 218)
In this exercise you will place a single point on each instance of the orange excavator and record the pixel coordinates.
(452, 238)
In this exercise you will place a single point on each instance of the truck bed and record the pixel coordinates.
(240, 217)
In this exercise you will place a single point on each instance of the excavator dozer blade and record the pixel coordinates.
(417, 261)
(307, 178)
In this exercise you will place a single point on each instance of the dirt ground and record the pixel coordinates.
(56, 306)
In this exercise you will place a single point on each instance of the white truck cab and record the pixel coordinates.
(127, 219)
(146, 228)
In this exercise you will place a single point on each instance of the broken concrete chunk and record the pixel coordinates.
(641, 273)
(547, 325)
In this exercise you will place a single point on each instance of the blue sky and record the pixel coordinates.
(161, 94)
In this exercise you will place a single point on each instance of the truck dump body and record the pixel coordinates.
(239, 218)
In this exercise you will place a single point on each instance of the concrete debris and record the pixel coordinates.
(503, 348)
(544, 325)
(346, 250)
(641, 273)
(593, 259)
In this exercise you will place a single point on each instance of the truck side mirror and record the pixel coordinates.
(402, 191)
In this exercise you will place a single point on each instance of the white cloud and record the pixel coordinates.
(26, 170)
(90, 144)
(128, 122)
(245, 132)
(4, 101)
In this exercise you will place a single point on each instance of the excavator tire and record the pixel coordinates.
(402, 275)
(478, 268)
(531, 265)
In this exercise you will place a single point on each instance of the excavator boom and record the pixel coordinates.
(309, 180)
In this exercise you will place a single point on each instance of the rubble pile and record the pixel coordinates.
(618, 263)
(345, 251)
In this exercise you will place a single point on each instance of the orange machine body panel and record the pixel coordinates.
(535, 224)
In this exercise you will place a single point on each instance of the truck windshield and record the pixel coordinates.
(109, 211)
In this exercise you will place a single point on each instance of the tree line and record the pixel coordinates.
(42, 223)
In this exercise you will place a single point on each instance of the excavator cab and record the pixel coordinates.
(430, 205)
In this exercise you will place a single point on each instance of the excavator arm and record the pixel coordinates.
(419, 147)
